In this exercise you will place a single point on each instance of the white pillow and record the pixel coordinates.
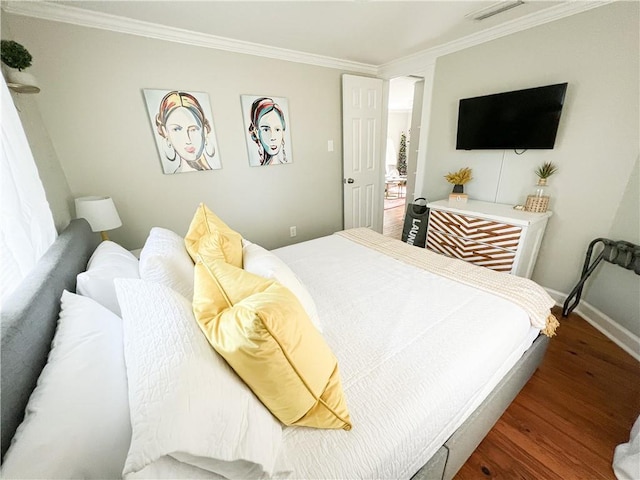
(77, 420)
(165, 260)
(259, 261)
(185, 400)
(109, 261)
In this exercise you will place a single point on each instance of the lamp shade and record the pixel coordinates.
(100, 212)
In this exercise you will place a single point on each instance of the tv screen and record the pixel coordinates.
(522, 119)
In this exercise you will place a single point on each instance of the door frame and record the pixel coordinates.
(424, 68)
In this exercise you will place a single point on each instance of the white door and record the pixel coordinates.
(361, 133)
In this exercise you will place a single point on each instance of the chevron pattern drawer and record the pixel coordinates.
(479, 229)
(491, 235)
(482, 254)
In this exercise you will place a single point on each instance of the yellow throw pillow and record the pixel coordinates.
(260, 328)
(207, 231)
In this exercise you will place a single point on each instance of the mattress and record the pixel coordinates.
(417, 353)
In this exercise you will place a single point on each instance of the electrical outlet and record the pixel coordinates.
(292, 231)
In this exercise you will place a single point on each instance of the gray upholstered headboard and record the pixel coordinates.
(29, 318)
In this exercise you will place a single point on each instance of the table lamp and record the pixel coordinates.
(100, 212)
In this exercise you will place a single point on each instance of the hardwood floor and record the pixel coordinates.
(566, 422)
(393, 221)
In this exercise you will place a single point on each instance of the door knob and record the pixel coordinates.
(349, 180)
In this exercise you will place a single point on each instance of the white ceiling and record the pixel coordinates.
(369, 32)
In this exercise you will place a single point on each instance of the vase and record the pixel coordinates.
(541, 188)
(458, 188)
(538, 200)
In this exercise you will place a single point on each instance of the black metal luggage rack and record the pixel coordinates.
(624, 254)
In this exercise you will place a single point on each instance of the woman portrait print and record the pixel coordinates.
(184, 136)
(267, 134)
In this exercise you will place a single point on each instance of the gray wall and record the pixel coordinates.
(597, 53)
(612, 289)
(92, 104)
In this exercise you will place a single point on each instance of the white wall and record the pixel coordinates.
(597, 53)
(92, 105)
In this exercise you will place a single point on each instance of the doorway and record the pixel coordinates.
(400, 162)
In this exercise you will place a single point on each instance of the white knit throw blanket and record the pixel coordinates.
(521, 291)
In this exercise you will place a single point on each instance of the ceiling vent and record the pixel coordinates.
(494, 9)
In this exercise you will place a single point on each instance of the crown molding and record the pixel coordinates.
(77, 16)
(417, 62)
(414, 64)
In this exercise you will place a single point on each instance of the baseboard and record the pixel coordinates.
(619, 335)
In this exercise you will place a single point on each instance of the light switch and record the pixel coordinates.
(330, 146)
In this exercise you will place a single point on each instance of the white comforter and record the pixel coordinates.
(418, 353)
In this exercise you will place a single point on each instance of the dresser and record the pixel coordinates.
(492, 235)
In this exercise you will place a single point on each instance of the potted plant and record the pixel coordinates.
(15, 58)
(459, 178)
(538, 201)
(545, 171)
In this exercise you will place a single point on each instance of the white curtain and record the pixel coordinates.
(26, 222)
(626, 457)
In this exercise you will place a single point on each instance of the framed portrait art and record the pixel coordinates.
(183, 130)
(267, 129)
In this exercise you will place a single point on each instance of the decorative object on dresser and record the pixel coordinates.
(539, 201)
(458, 180)
(458, 199)
(15, 58)
(100, 212)
(491, 235)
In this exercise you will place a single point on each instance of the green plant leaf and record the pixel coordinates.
(14, 55)
(546, 170)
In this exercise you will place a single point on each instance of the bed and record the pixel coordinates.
(416, 412)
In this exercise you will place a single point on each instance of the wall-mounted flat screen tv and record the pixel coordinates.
(522, 119)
